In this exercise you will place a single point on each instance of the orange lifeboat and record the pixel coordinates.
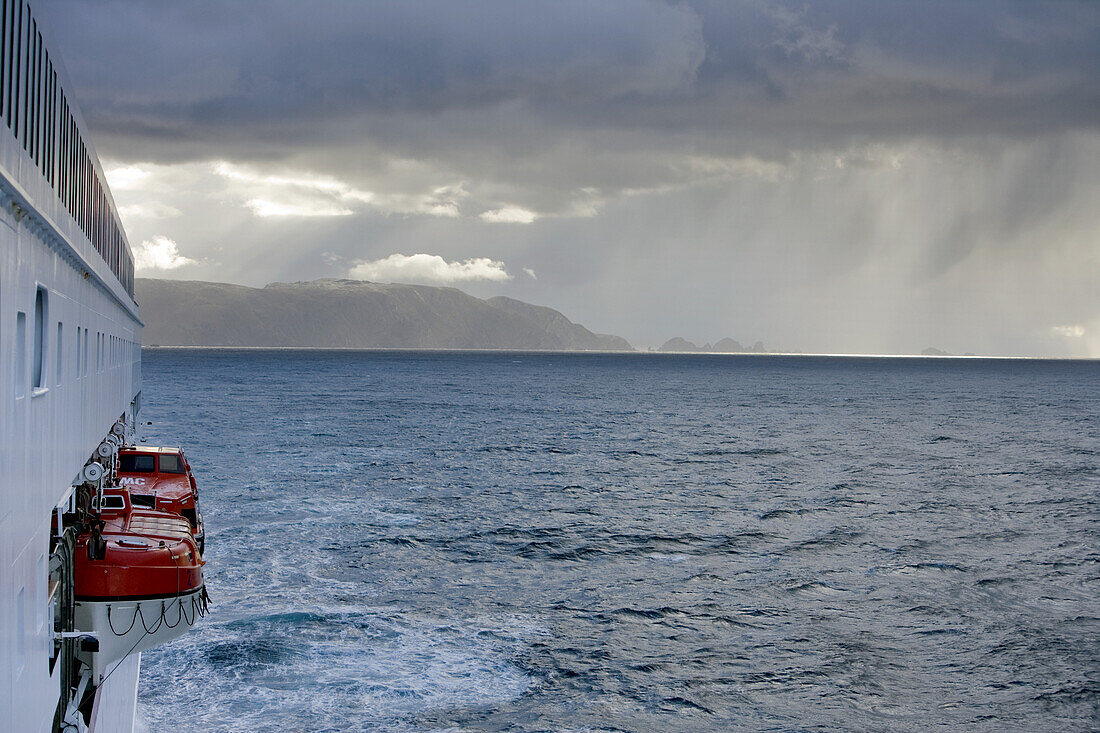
(161, 478)
(138, 580)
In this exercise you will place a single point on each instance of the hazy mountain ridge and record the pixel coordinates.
(725, 345)
(352, 314)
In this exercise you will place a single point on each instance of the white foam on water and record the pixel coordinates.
(662, 557)
(391, 519)
(346, 668)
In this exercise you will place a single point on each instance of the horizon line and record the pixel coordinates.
(632, 352)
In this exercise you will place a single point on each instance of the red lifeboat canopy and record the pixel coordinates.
(145, 466)
(149, 554)
(161, 478)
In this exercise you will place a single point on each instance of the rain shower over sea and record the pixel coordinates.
(418, 541)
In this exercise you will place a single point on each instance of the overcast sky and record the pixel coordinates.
(862, 177)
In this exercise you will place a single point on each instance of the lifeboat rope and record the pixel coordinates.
(199, 607)
(133, 621)
(179, 617)
(160, 621)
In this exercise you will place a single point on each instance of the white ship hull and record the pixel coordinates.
(69, 360)
(48, 434)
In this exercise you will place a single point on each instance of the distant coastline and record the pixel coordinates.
(343, 314)
(726, 345)
(358, 315)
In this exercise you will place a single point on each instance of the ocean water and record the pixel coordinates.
(550, 542)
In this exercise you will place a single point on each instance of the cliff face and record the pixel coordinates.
(352, 314)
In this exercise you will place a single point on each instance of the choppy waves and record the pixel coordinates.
(474, 542)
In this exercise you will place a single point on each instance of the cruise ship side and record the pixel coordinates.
(70, 373)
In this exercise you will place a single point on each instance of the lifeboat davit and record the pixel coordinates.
(138, 581)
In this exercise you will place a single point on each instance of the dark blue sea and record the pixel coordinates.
(417, 541)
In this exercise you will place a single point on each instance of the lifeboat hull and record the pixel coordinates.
(137, 583)
(126, 627)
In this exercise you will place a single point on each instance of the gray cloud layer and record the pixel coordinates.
(856, 176)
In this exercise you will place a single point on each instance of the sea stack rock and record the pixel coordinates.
(678, 344)
(728, 346)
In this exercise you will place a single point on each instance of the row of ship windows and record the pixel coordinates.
(36, 110)
(110, 351)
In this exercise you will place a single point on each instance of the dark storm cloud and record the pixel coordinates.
(201, 70)
(217, 73)
(841, 176)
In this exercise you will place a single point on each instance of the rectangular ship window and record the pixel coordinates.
(16, 66)
(20, 353)
(41, 317)
(6, 42)
(20, 631)
(137, 463)
(25, 77)
(32, 93)
(170, 464)
(60, 353)
(149, 501)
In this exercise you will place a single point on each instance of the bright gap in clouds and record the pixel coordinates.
(509, 215)
(304, 194)
(153, 210)
(125, 178)
(429, 269)
(159, 253)
(263, 207)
